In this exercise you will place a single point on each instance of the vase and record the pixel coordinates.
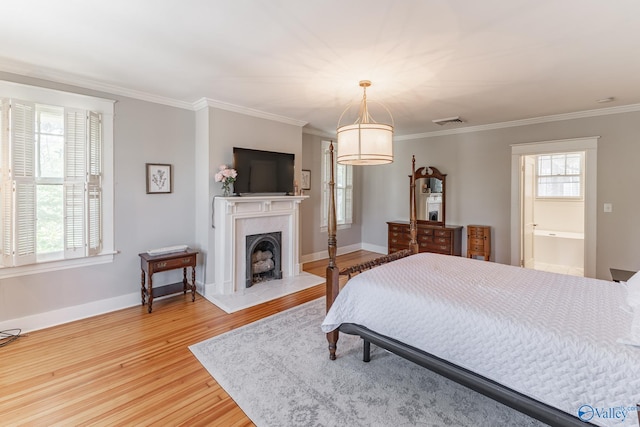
(226, 192)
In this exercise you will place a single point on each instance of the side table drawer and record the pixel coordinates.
(170, 264)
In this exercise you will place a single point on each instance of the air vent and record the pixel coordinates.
(442, 122)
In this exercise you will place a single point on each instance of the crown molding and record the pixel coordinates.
(27, 70)
(317, 132)
(524, 122)
(207, 102)
(51, 75)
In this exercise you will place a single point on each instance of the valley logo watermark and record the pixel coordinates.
(587, 412)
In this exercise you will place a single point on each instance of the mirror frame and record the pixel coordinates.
(432, 172)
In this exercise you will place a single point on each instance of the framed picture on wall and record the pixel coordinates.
(306, 179)
(159, 178)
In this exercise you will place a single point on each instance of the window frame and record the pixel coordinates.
(580, 176)
(69, 100)
(343, 188)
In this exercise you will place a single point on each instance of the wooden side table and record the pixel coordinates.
(171, 261)
(479, 241)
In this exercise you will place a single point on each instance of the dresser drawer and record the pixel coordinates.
(398, 228)
(477, 232)
(425, 231)
(442, 240)
(396, 248)
(442, 233)
(439, 248)
(424, 238)
(474, 241)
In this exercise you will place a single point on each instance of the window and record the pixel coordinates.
(343, 179)
(560, 175)
(53, 192)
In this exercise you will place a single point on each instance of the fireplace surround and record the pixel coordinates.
(235, 218)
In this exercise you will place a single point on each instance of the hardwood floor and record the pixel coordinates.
(130, 367)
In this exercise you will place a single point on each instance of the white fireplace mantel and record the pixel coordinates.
(238, 217)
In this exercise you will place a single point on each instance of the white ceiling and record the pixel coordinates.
(486, 61)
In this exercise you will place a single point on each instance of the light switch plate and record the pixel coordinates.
(608, 207)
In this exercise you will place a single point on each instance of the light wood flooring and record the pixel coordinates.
(130, 367)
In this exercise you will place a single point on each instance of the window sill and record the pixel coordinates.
(46, 267)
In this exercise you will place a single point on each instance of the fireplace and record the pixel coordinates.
(236, 218)
(263, 258)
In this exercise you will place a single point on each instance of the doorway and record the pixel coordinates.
(552, 203)
(546, 232)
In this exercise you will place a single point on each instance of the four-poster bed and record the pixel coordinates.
(425, 327)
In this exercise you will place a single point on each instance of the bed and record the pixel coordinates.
(556, 347)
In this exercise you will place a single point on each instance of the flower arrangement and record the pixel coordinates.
(226, 176)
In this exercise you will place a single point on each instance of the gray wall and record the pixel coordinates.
(143, 132)
(478, 168)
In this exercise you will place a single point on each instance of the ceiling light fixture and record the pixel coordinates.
(365, 142)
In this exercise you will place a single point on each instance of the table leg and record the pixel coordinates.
(142, 295)
(184, 281)
(150, 293)
(193, 283)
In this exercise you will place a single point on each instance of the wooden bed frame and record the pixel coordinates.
(479, 383)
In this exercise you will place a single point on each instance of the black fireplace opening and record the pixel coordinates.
(263, 258)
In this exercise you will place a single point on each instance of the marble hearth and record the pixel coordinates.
(235, 218)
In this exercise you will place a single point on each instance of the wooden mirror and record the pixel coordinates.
(430, 194)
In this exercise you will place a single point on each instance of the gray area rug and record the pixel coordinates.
(278, 371)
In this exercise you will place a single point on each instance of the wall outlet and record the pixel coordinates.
(608, 207)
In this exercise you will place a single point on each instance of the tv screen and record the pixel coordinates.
(263, 172)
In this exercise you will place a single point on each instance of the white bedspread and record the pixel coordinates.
(552, 337)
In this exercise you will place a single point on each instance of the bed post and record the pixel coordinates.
(332, 274)
(413, 230)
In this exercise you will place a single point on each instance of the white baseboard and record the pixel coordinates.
(344, 250)
(323, 254)
(374, 248)
(69, 314)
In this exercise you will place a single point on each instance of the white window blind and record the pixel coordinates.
(52, 177)
(343, 179)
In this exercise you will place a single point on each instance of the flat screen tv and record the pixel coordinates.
(263, 172)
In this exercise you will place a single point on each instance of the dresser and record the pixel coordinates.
(479, 241)
(442, 240)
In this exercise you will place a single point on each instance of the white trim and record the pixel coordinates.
(40, 72)
(316, 256)
(47, 267)
(42, 95)
(524, 122)
(590, 146)
(69, 314)
(318, 132)
(207, 102)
